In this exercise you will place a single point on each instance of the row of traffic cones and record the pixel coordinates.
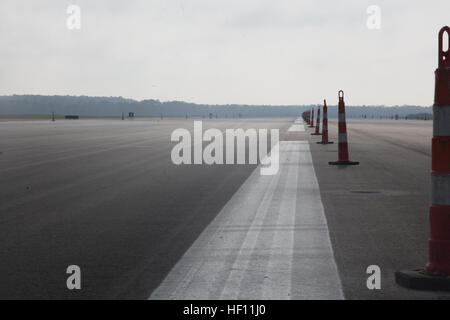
(436, 274)
(343, 154)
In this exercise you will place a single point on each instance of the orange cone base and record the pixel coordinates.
(421, 280)
(329, 142)
(343, 163)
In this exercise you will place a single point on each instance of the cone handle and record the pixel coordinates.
(341, 95)
(444, 56)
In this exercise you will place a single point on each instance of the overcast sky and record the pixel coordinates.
(223, 51)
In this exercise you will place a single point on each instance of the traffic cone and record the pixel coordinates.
(317, 133)
(343, 158)
(436, 275)
(325, 125)
(312, 119)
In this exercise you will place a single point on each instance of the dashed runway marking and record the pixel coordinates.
(270, 241)
(297, 128)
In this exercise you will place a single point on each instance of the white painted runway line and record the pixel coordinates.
(297, 128)
(270, 241)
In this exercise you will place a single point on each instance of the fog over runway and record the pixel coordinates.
(104, 195)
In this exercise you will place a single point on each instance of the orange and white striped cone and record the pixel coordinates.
(343, 158)
(317, 133)
(436, 275)
(325, 125)
(311, 125)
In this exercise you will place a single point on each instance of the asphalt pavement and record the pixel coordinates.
(105, 195)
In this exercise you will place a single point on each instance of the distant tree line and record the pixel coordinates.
(115, 106)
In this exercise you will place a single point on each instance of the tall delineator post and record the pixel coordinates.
(343, 158)
(317, 132)
(325, 125)
(440, 177)
(436, 275)
(311, 125)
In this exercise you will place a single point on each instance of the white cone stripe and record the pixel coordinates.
(342, 137)
(441, 119)
(440, 189)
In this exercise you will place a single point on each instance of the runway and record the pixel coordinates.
(270, 241)
(378, 211)
(104, 195)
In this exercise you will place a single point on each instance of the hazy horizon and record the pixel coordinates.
(329, 103)
(223, 52)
